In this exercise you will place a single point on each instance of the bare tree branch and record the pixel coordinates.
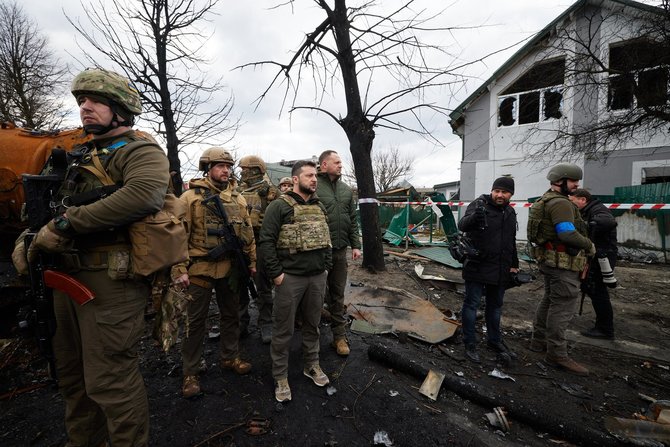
(32, 81)
(157, 43)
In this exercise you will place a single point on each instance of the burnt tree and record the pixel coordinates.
(350, 47)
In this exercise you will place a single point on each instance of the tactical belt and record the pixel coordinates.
(76, 261)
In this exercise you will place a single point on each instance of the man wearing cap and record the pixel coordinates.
(490, 223)
(560, 246)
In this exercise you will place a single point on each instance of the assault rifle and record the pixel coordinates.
(39, 316)
(231, 246)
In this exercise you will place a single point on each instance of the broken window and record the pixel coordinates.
(536, 96)
(507, 111)
(638, 75)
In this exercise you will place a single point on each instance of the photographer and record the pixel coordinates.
(490, 223)
(602, 232)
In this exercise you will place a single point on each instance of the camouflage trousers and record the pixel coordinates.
(97, 362)
(556, 309)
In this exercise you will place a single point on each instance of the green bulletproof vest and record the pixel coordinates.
(308, 229)
(540, 229)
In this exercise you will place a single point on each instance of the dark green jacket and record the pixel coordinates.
(338, 199)
(278, 261)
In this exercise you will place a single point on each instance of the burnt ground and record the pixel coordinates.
(370, 398)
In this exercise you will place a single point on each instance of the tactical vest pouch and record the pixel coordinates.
(119, 265)
(561, 260)
(535, 215)
(160, 240)
(289, 238)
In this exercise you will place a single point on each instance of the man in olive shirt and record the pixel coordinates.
(96, 344)
(338, 199)
(295, 243)
(561, 247)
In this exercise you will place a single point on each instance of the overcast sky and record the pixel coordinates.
(248, 31)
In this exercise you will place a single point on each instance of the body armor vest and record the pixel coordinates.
(204, 219)
(87, 181)
(308, 229)
(258, 197)
(547, 247)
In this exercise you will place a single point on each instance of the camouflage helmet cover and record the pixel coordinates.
(564, 170)
(285, 180)
(253, 161)
(214, 155)
(109, 85)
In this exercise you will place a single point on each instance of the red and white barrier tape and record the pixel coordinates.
(614, 206)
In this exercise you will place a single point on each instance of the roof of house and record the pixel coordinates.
(447, 184)
(532, 43)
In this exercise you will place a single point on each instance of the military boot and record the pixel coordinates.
(191, 387)
(341, 346)
(566, 364)
(237, 364)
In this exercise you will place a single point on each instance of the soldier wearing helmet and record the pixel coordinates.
(112, 90)
(258, 192)
(212, 263)
(111, 182)
(561, 247)
(285, 184)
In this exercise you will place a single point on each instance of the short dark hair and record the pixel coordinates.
(297, 167)
(581, 192)
(326, 154)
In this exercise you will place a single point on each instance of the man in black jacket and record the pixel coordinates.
(490, 223)
(602, 232)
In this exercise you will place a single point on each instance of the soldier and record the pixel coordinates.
(295, 243)
(216, 219)
(96, 345)
(602, 232)
(338, 199)
(258, 192)
(560, 246)
(285, 184)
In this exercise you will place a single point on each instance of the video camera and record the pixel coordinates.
(461, 248)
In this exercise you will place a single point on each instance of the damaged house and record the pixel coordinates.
(590, 88)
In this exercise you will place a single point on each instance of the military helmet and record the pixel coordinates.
(564, 170)
(214, 155)
(286, 180)
(109, 85)
(253, 161)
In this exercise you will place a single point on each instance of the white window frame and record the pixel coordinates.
(558, 87)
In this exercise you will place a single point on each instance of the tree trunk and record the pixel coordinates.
(361, 136)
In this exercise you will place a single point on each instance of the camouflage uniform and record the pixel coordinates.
(258, 193)
(205, 274)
